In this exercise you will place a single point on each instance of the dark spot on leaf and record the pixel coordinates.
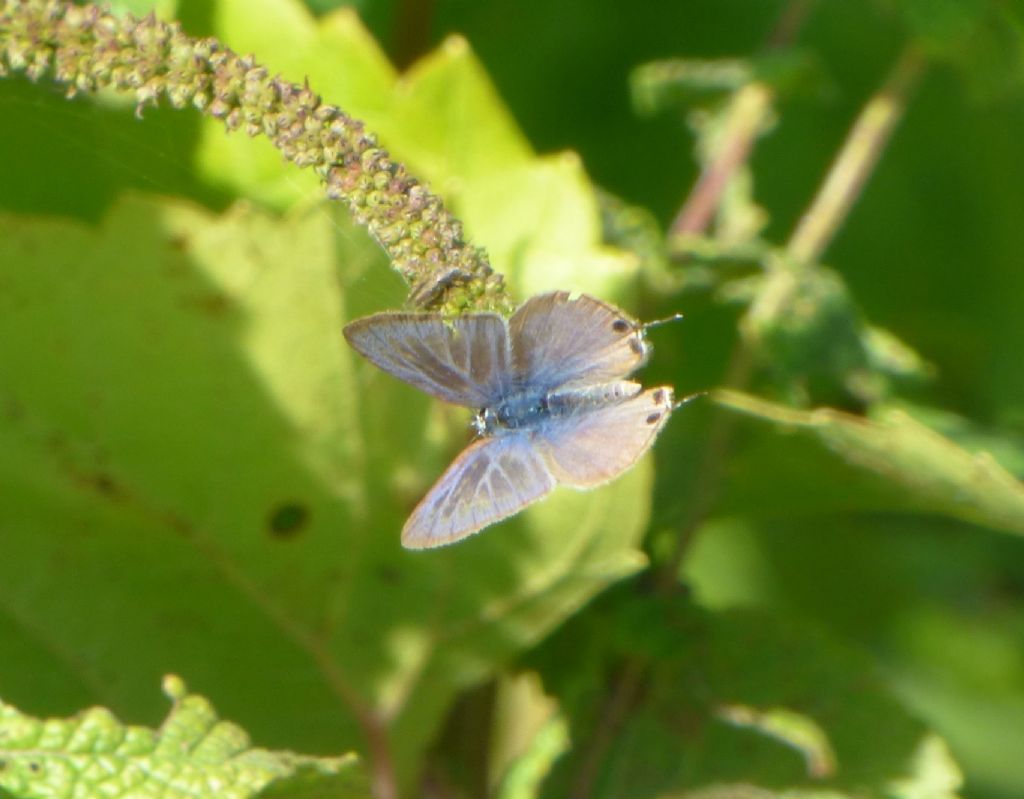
(101, 482)
(288, 519)
(33, 766)
(620, 326)
(12, 409)
(213, 303)
(105, 484)
(389, 574)
(652, 418)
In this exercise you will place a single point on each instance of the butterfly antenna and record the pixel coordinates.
(688, 399)
(676, 317)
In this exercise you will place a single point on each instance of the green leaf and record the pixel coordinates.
(192, 754)
(164, 9)
(201, 419)
(180, 409)
(684, 82)
(663, 697)
(526, 773)
(983, 38)
(805, 326)
(940, 476)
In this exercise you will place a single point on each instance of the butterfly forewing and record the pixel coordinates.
(598, 443)
(559, 340)
(466, 361)
(493, 478)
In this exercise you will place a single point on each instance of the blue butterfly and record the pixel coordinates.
(553, 407)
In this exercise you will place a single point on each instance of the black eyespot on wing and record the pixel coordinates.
(658, 396)
(621, 326)
(653, 418)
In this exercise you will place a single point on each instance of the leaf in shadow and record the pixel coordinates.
(663, 697)
(940, 476)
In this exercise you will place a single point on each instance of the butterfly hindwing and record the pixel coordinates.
(490, 480)
(598, 443)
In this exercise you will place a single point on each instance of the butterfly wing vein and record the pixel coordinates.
(466, 362)
(492, 479)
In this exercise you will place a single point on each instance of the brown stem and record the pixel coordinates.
(383, 776)
(621, 699)
(840, 189)
(856, 160)
(749, 106)
(384, 782)
(746, 115)
(788, 24)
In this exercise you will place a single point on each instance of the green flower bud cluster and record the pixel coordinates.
(88, 48)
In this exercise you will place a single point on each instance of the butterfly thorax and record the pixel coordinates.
(531, 410)
(520, 411)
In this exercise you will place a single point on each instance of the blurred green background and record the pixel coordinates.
(196, 475)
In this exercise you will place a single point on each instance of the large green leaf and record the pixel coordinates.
(663, 697)
(870, 527)
(197, 475)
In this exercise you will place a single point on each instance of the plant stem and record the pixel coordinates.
(747, 112)
(849, 172)
(788, 24)
(749, 107)
(746, 115)
(618, 703)
(864, 145)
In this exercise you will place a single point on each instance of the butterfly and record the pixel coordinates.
(552, 403)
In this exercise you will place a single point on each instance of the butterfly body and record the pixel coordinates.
(552, 405)
(522, 411)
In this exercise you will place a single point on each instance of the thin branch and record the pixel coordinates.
(621, 699)
(750, 105)
(856, 160)
(842, 185)
(788, 25)
(748, 109)
(747, 112)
